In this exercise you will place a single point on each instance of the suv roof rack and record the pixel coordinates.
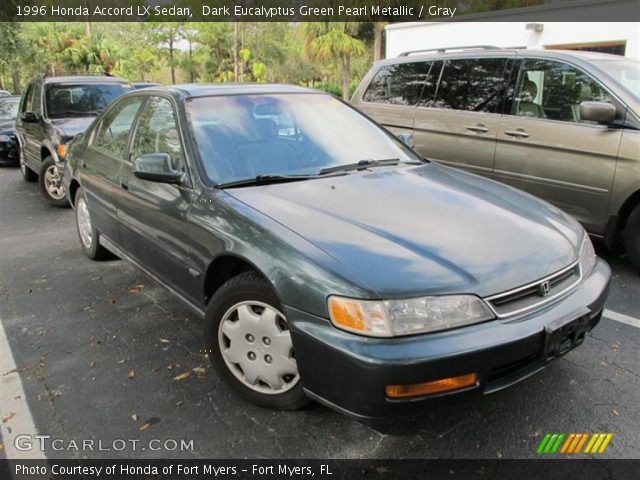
(445, 49)
(78, 74)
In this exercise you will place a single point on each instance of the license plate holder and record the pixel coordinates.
(565, 333)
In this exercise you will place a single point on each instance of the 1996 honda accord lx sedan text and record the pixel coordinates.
(330, 261)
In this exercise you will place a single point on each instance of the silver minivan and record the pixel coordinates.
(562, 125)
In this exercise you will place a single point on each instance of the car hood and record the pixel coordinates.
(70, 127)
(411, 231)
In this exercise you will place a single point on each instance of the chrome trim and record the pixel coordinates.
(544, 300)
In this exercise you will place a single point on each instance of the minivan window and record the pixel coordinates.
(114, 130)
(554, 90)
(626, 72)
(428, 96)
(399, 84)
(475, 85)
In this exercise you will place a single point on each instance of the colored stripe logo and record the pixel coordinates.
(573, 443)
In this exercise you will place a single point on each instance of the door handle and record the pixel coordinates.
(518, 133)
(479, 128)
(124, 186)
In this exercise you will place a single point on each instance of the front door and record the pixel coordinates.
(153, 215)
(546, 149)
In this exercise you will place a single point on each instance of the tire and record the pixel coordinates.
(87, 234)
(28, 175)
(632, 238)
(255, 359)
(51, 184)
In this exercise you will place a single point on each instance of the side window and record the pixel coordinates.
(36, 103)
(157, 131)
(399, 84)
(430, 85)
(113, 131)
(554, 90)
(475, 85)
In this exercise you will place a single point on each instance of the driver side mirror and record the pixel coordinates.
(30, 117)
(156, 167)
(601, 112)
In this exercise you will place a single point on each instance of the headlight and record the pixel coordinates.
(389, 318)
(587, 255)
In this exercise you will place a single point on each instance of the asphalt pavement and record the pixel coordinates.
(105, 354)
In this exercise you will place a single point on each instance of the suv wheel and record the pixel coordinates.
(632, 238)
(249, 344)
(27, 174)
(51, 184)
(87, 233)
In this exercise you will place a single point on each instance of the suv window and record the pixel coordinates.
(157, 131)
(64, 100)
(554, 90)
(399, 84)
(114, 129)
(475, 85)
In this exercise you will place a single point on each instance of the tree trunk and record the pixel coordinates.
(377, 40)
(235, 51)
(192, 76)
(346, 64)
(173, 69)
(16, 82)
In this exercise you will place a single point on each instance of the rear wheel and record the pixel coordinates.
(632, 238)
(51, 184)
(27, 174)
(87, 233)
(249, 344)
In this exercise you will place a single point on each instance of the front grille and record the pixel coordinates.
(536, 294)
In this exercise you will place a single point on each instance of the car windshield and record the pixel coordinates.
(9, 109)
(244, 136)
(626, 72)
(67, 100)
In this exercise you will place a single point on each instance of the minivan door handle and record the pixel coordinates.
(479, 128)
(518, 132)
(124, 186)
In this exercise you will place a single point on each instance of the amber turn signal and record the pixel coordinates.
(429, 388)
(61, 150)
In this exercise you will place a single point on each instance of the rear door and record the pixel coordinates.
(153, 215)
(102, 163)
(546, 149)
(393, 93)
(457, 119)
(32, 131)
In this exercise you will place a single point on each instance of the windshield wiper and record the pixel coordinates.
(363, 165)
(264, 180)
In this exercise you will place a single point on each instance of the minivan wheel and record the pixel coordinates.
(249, 343)
(632, 238)
(27, 174)
(51, 184)
(87, 233)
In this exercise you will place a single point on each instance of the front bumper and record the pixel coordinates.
(349, 372)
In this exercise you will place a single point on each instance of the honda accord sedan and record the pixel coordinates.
(330, 262)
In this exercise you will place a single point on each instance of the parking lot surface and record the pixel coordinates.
(105, 353)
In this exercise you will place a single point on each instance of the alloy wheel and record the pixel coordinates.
(53, 183)
(84, 223)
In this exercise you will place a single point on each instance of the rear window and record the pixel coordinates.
(399, 84)
(472, 84)
(70, 100)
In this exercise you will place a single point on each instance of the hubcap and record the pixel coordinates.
(84, 222)
(53, 183)
(256, 346)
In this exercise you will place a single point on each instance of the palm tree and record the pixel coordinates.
(334, 41)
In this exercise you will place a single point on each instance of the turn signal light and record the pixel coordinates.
(429, 388)
(61, 150)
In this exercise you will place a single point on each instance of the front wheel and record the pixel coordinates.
(632, 238)
(249, 344)
(51, 184)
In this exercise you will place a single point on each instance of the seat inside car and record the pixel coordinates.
(266, 154)
(525, 105)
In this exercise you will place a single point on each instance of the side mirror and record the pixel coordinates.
(600, 112)
(156, 167)
(30, 117)
(406, 138)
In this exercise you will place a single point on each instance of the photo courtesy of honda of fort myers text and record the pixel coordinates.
(281, 239)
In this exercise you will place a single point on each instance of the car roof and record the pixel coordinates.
(191, 90)
(84, 79)
(509, 52)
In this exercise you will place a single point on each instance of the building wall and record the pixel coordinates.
(413, 36)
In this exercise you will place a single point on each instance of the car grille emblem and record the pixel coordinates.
(544, 289)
